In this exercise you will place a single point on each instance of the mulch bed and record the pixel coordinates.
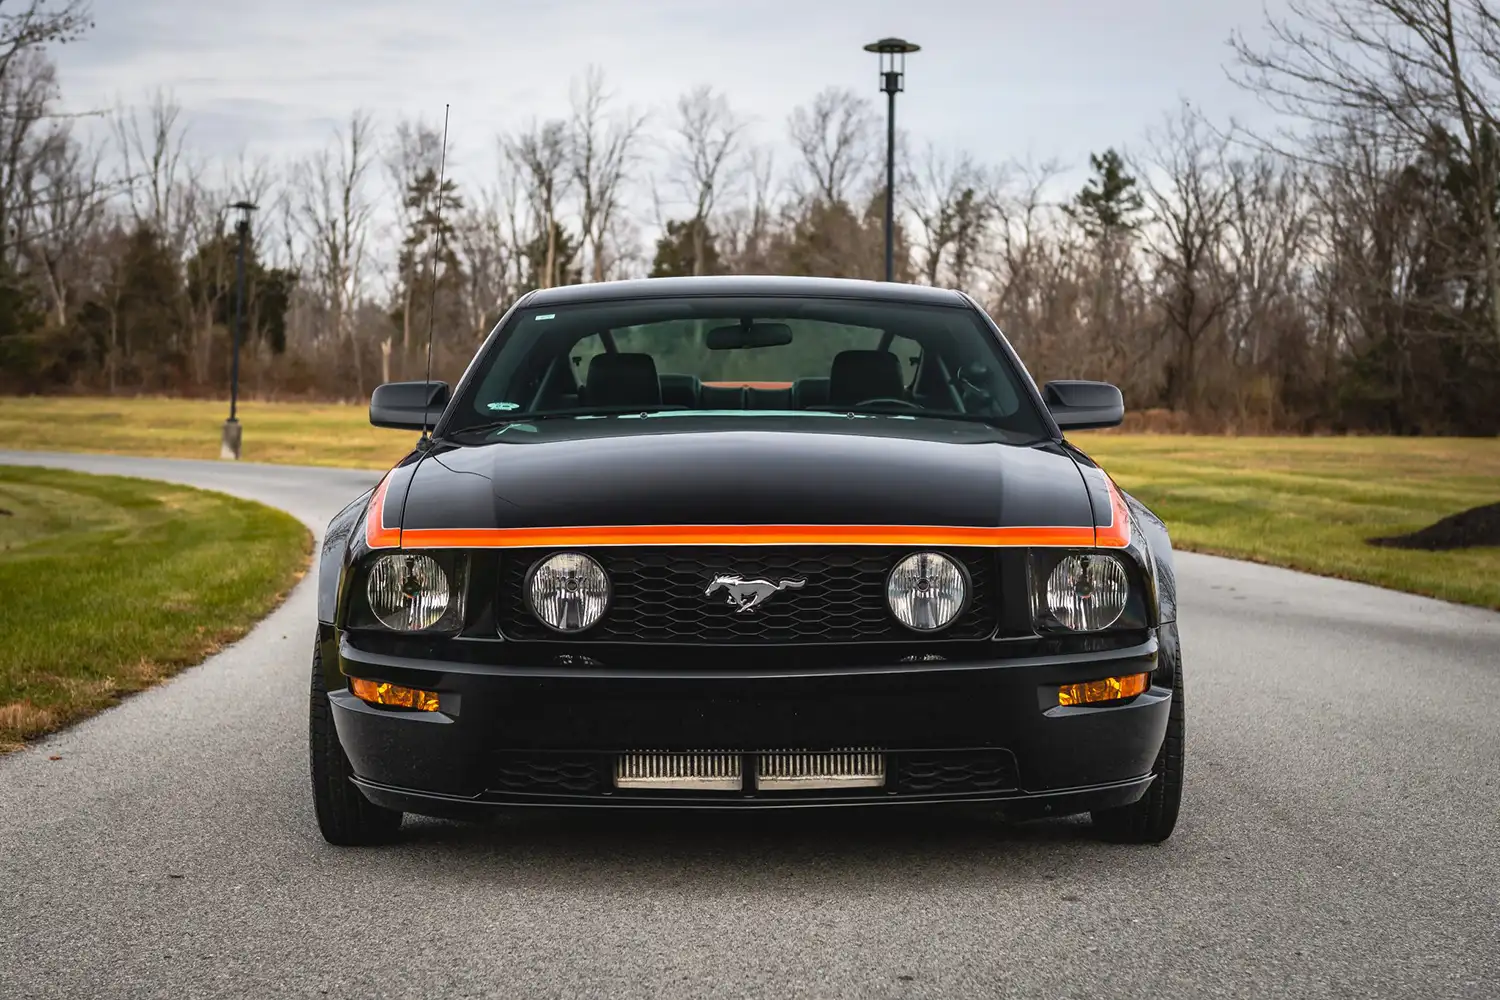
(1466, 529)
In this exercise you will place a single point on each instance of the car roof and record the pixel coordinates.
(743, 284)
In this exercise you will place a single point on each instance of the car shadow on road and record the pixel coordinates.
(917, 845)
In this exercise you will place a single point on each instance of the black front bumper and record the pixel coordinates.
(987, 731)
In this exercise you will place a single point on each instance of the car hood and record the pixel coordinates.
(724, 471)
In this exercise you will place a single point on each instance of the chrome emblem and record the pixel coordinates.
(746, 595)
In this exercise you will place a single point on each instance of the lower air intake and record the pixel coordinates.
(702, 771)
(839, 769)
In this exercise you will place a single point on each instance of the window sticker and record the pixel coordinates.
(504, 405)
(546, 316)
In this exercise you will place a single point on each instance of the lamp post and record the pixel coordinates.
(892, 52)
(229, 445)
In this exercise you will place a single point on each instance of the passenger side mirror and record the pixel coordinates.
(1078, 405)
(409, 406)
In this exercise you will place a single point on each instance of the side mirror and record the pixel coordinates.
(408, 406)
(1078, 405)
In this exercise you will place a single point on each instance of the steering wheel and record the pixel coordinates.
(889, 401)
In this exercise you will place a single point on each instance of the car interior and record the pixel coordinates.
(619, 378)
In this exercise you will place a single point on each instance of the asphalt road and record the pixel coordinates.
(1340, 838)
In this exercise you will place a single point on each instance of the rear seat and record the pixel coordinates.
(681, 390)
(689, 391)
(809, 392)
(769, 399)
(723, 397)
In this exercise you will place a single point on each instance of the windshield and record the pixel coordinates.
(741, 355)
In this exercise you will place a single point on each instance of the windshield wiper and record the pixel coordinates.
(902, 411)
(576, 411)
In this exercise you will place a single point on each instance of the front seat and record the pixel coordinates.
(860, 375)
(622, 380)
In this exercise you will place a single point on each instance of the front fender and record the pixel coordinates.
(1150, 541)
(345, 540)
(1159, 544)
(337, 553)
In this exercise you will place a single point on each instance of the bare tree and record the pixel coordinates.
(1410, 69)
(835, 136)
(705, 151)
(540, 157)
(603, 154)
(333, 213)
(951, 197)
(161, 183)
(69, 210)
(1188, 195)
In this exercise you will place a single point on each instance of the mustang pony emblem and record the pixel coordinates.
(745, 595)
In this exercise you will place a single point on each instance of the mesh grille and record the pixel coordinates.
(659, 596)
(955, 771)
(545, 773)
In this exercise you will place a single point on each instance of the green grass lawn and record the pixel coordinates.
(1307, 503)
(1310, 503)
(288, 433)
(110, 584)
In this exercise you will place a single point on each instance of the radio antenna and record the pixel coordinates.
(437, 236)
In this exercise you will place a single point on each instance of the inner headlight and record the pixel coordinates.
(408, 592)
(926, 591)
(1087, 592)
(567, 591)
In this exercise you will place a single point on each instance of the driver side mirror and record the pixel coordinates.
(1077, 405)
(409, 406)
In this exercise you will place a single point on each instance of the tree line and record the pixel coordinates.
(1342, 273)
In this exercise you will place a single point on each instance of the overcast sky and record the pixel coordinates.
(1004, 79)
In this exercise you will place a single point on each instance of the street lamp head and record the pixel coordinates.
(892, 52)
(245, 206)
(892, 45)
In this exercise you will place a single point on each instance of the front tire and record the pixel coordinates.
(1151, 819)
(345, 816)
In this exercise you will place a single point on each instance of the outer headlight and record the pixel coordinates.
(568, 591)
(1087, 592)
(408, 592)
(926, 591)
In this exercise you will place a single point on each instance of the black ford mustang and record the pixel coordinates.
(744, 543)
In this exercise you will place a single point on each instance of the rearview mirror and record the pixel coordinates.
(1079, 405)
(410, 406)
(729, 338)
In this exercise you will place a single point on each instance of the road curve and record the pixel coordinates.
(1340, 838)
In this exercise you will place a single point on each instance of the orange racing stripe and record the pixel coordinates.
(377, 535)
(1114, 535)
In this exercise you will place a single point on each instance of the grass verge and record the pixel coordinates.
(1311, 503)
(1307, 503)
(109, 585)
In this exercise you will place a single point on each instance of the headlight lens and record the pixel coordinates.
(568, 591)
(1087, 592)
(408, 592)
(926, 591)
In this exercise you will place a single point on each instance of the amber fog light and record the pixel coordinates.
(1108, 689)
(393, 695)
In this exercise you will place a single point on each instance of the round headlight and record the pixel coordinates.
(567, 591)
(408, 593)
(1087, 592)
(926, 591)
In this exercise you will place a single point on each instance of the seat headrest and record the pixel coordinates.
(860, 375)
(622, 380)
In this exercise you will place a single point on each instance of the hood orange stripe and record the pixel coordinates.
(1114, 535)
(377, 535)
